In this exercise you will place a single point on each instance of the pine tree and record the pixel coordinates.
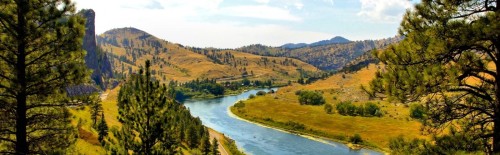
(205, 146)
(145, 112)
(215, 147)
(40, 55)
(448, 61)
(102, 128)
(95, 110)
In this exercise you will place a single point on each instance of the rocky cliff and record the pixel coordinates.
(96, 59)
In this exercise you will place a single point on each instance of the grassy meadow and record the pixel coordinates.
(283, 110)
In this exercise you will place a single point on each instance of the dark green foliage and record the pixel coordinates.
(205, 146)
(311, 98)
(102, 129)
(328, 109)
(239, 104)
(251, 96)
(95, 109)
(417, 111)
(153, 123)
(371, 109)
(301, 81)
(261, 93)
(40, 55)
(209, 86)
(446, 44)
(295, 125)
(454, 143)
(246, 82)
(215, 147)
(346, 108)
(356, 139)
(367, 110)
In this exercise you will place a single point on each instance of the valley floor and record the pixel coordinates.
(282, 110)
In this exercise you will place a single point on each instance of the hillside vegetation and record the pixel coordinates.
(130, 47)
(283, 110)
(330, 57)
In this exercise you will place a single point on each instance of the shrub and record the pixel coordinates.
(251, 96)
(298, 92)
(261, 93)
(372, 109)
(346, 108)
(311, 98)
(328, 108)
(367, 110)
(417, 111)
(239, 104)
(295, 125)
(356, 139)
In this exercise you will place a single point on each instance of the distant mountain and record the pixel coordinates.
(328, 57)
(335, 40)
(292, 45)
(95, 59)
(129, 48)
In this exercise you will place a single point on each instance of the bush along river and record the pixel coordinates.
(259, 140)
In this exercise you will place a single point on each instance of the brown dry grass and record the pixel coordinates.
(186, 65)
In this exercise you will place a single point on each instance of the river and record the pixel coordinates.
(259, 140)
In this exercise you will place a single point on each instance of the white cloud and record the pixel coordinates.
(298, 5)
(262, 1)
(234, 35)
(259, 11)
(182, 21)
(384, 10)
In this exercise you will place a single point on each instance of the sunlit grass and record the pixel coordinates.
(283, 107)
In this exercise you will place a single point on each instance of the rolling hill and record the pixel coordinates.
(129, 48)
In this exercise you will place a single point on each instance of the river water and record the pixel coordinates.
(259, 140)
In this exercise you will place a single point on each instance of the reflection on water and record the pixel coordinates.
(258, 140)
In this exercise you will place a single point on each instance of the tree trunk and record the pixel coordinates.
(21, 122)
(496, 115)
(496, 133)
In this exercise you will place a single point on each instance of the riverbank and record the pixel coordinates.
(283, 110)
(309, 134)
(227, 146)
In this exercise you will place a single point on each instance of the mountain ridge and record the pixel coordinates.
(329, 57)
(334, 40)
(130, 47)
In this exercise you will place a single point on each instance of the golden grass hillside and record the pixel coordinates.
(283, 107)
(87, 142)
(130, 48)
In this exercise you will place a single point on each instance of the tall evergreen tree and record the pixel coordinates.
(215, 147)
(205, 145)
(40, 55)
(144, 110)
(449, 60)
(95, 109)
(102, 128)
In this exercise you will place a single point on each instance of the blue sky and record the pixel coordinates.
(235, 23)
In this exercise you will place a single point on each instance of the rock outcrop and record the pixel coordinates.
(96, 59)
